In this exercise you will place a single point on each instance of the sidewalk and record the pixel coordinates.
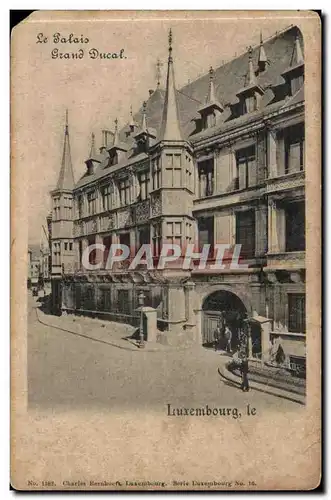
(227, 375)
(108, 332)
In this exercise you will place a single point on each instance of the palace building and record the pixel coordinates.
(221, 160)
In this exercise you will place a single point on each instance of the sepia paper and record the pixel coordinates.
(185, 128)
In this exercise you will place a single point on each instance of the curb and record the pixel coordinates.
(273, 391)
(126, 347)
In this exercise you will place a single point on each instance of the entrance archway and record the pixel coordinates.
(219, 308)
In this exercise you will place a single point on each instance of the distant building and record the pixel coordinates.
(221, 160)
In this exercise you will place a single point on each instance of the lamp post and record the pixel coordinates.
(141, 301)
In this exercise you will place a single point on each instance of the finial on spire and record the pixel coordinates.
(251, 78)
(263, 60)
(67, 121)
(297, 56)
(131, 124)
(211, 90)
(116, 139)
(170, 45)
(144, 122)
(158, 72)
(92, 152)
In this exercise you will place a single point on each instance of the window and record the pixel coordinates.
(206, 233)
(296, 83)
(250, 104)
(157, 238)
(67, 205)
(80, 206)
(57, 208)
(246, 167)
(107, 242)
(66, 246)
(124, 191)
(144, 236)
(105, 300)
(297, 312)
(106, 198)
(174, 233)
(245, 233)
(294, 138)
(173, 170)
(143, 179)
(113, 159)
(123, 303)
(156, 173)
(70, 247)
(295, 238)
(57, 253)
(206, 177)
(91, 202)
(93, 253)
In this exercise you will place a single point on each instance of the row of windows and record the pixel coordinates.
(290, 140)
(291, 144)
(246, 230)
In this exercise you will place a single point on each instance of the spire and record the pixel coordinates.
(158, 72)
(116, 138)
(297, 56)
(262, 55)
(211, 90)
(131, 123)
(251, 78)
(92, 152)
(66, 177)
(170, 127)
(144, 122)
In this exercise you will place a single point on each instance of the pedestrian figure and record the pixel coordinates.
(244, 370)
(228, 338)
(217, 337)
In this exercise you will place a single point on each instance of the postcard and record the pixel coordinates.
(166, 251)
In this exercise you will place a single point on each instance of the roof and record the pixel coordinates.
(228, 79)
(66, 177)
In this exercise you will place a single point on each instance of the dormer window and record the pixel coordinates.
(113, 158)
(250, 95)
(212, 107)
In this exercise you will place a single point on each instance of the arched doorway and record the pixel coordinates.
(221, 306)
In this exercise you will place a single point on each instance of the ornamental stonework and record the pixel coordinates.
(124, 218)
(142, 211)
(156, 205)
(107, 223)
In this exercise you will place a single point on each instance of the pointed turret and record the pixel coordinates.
(170, 126)
(251, 78)
(92, 151)
(66, 177)
(118, 149)
(212, 108)
(93, 157)
(297, 56)
(144, 136)
(251, 93)
(294, 74)
(262, 61)
(131, 122)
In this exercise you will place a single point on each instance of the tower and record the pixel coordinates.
(63, 254)
(172, 195)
